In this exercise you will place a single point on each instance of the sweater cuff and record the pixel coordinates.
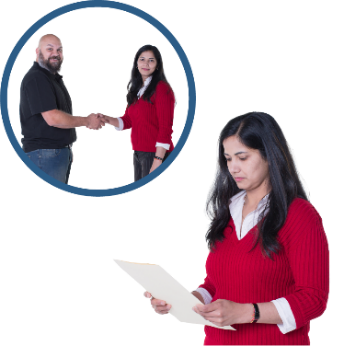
(121, 125)
(287, 317)
(163, 145)
(207, 298)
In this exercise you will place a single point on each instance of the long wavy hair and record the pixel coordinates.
(136, 81)
(258, 131)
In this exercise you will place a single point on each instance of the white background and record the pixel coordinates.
(59, 284)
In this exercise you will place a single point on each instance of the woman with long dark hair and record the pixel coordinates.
(268, 266)
(149, 112)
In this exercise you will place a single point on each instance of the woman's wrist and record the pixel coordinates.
(158, 158)
(114, 121)
(160, 153)
(110, 120)
(246, 313)
(198, 296)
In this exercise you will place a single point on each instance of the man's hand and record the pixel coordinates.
(95, 122)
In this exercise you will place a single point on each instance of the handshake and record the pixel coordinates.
(97, 121)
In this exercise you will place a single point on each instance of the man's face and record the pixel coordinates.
(49, 54)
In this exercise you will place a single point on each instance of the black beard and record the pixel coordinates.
(52, 68)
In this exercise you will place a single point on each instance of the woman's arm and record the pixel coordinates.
(122, 123)
(308, 256)
(225, 312)
(164, 102)
(198, 296)
(110, 120)
(160, 152)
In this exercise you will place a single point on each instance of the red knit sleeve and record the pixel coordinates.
(126, 120)
(164, 104)
(207, 285)
(307, 250)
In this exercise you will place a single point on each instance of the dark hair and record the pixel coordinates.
(136, 81)
(257, 131)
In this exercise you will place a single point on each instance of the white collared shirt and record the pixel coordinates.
(236, 204)
(144, 87)
(139, 94)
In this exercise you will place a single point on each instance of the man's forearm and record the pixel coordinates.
(63, 120)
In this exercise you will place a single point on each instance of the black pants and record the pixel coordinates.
(143, 162)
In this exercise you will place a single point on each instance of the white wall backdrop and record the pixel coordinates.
(59, 284)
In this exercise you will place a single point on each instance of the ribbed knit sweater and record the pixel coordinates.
(151, 122)
(299, 273)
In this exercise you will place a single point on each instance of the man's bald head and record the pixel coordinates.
(48, 38)
(49, 54)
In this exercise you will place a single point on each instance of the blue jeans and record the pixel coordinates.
(55, 162)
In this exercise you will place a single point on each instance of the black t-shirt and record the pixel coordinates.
(42, 91)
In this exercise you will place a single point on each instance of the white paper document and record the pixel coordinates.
(163, 286)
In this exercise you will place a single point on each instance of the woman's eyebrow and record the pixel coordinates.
(240, 152)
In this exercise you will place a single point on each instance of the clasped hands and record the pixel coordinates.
(220, 312)
(96, 121)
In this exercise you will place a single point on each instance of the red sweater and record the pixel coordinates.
(299, 273)
(151, 122)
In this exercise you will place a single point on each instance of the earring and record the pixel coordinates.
(136, 66)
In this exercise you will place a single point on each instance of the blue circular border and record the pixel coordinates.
(59, 12)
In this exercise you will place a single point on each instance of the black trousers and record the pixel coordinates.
(143, 162)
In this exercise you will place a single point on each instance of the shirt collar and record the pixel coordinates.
(147, 81)
(235, 207)
(240, 198)
(144, 87)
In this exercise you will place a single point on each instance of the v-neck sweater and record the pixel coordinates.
(299, 273)
(151, 122)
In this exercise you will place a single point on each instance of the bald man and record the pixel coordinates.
(48, 125)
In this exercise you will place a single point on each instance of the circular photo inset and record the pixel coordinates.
(106, 98)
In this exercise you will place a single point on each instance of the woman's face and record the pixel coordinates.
(246, 165)
(146, 64)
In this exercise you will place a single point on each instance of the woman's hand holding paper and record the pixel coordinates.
(158, 305)
(161, 307)
(225, 312)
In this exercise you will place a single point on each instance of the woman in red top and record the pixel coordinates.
(149, 112)
(268, 266)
